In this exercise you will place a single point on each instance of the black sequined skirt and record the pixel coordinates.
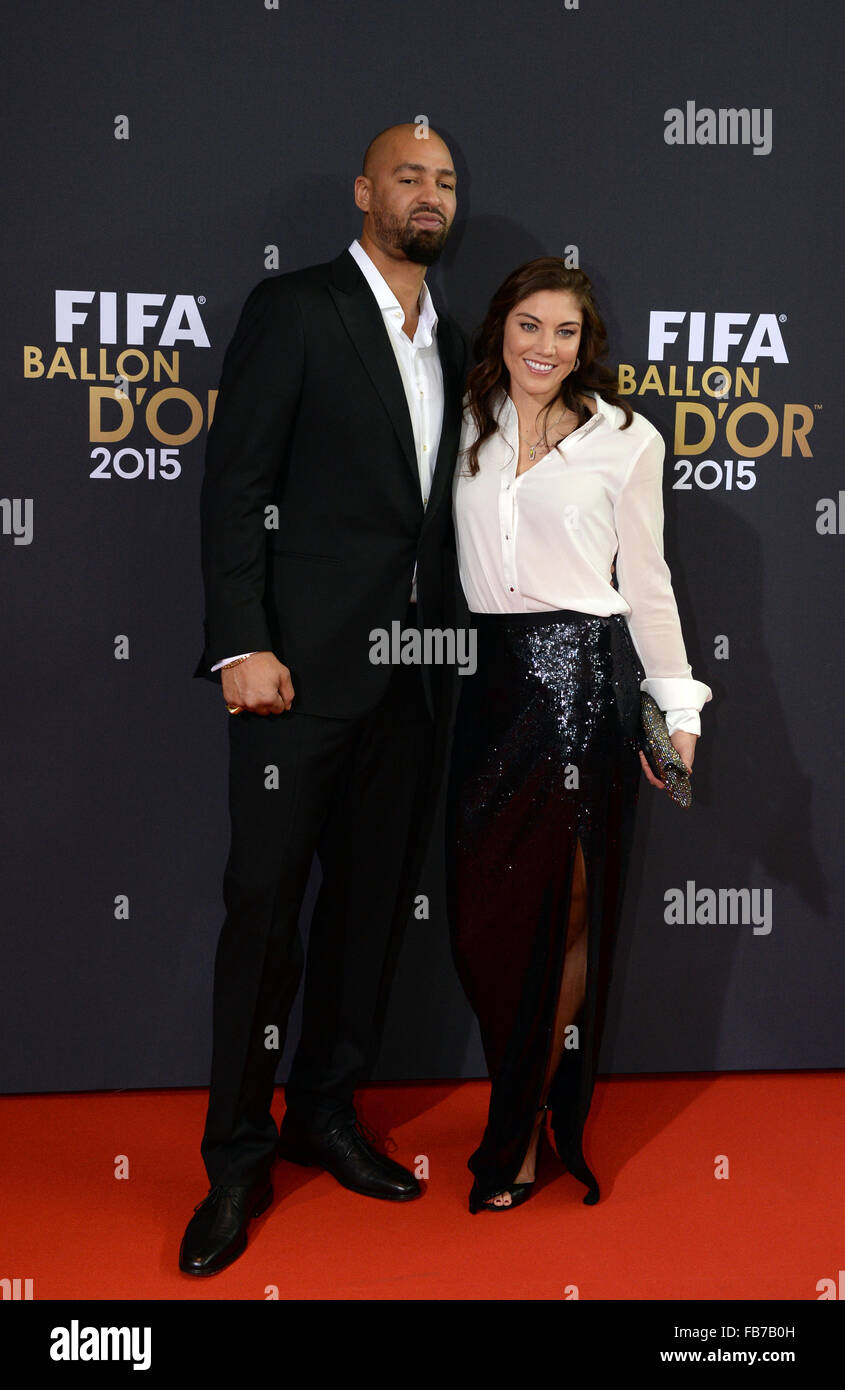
(544, 755)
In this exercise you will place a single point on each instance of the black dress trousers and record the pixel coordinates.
(358, 792)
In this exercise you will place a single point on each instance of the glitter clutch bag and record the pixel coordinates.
(661, 754)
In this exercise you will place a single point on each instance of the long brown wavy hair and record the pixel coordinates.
(490, 375)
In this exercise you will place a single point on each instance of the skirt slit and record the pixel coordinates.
(534, 1100)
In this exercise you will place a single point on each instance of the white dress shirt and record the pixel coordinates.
(547, 539)
(419, 366)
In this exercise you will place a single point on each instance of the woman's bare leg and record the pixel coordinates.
(570, 999)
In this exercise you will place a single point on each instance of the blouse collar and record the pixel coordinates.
(505, 411)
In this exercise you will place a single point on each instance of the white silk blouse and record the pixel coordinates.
(547, 539)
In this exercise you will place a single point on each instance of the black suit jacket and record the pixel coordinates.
(311, 422)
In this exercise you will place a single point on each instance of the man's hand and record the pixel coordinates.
(260, 684)
(684, 743)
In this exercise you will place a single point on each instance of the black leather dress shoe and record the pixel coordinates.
(216, 1233)
(344, 1151)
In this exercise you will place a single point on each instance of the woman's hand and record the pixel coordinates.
(684, 744)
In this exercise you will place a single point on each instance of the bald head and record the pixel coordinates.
(391, 145)
(406, 193)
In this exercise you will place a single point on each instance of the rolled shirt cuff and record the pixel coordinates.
(680, 698)
(677, 692)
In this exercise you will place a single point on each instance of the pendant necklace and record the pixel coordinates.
(532, 448)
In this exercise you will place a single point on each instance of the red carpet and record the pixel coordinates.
(664, 1228)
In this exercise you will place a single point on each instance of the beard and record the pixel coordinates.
(422, 245)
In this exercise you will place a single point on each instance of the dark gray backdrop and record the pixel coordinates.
(246, 127)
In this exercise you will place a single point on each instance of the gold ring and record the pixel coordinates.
(234, 709)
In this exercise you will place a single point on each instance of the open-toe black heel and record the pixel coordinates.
(519, 1191)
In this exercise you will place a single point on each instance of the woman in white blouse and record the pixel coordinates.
(558, 490)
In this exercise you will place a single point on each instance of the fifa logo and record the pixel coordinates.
(140, 315)
(723, 335)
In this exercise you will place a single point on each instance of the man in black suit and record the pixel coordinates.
(326, 514)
